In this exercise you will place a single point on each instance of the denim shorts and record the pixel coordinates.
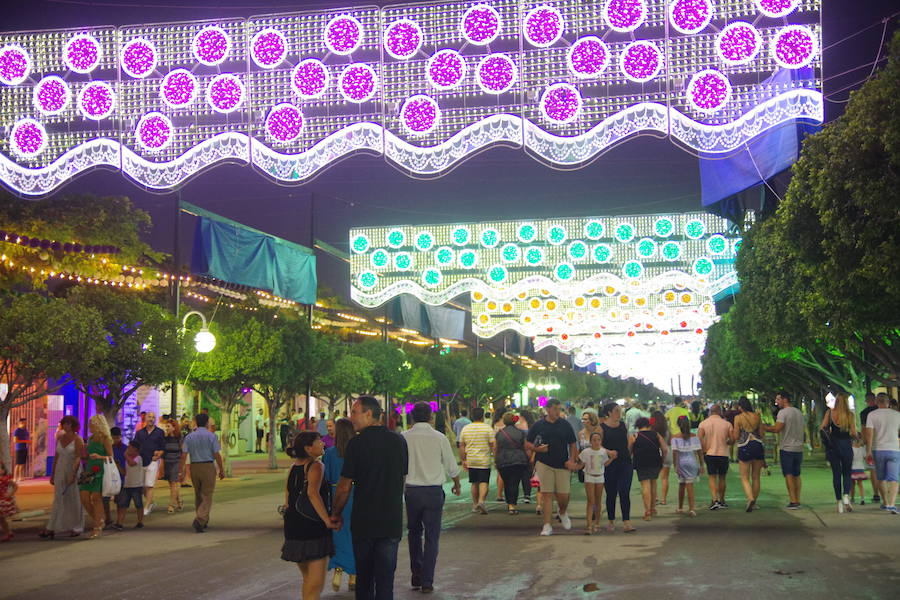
(128, 495)
(887, 465)
(790, 462)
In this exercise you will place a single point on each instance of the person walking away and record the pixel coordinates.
(858, 471)
(66, 514)
(8, 507)
(881, 431)
(659, 424)
(375, 465)
(132, 488)
(749, 435)
(594, 460)
(789, 424)
(679, 409)
(22, 439)
(638, 410)
(118, 448)
(172, 463)
(476, 446)
(647, 449)
(524, 422)
(343, 560)
(863, 415)
(715, 436)
(840, 427)
(431, 462)
(152, 441)
(688, 460)
(512, 460)
(496, 426)
(556, 455)
(204, 450)
(99, 448)
(459, 423)
(730, 413)
(619, 472)
(284, 430)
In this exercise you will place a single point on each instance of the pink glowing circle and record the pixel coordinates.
(738, 43)
(211, 45)
(154, 132)
(481, 24)
(641, 61)
(776, 8)
(225, 93)
(446, 69)
(624, 15)
(28, 138)
(588, 57)
(402, 39)
(561, 103)
(178, 88)
(96, 100)
(794, 47)
(358, 83)
(543, 26)
(51, 95)
(284, 123)
(139, 58)
(14, 64)
(690, 16)
(268, 48)
(343, 35)
(496, 73)
(420, 114)
(82, 53)
(708, 91)
(310, 79)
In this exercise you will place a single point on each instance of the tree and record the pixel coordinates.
(421, 383)
(346, 376)
(390, 368)
(488, 376)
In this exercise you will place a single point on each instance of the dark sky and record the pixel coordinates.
(645, 175)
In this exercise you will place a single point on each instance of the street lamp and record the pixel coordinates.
(204, 341)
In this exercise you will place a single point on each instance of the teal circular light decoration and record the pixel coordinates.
(498, 274)
(593, 230)
(461, 236)
(717, 244)
(431, 277)
(602, 253)
(703, 266)
(367, 280)
(444, 255)
(671, 250)
(467, 259)
(633, 269)
(646, 248)
(564, 271)
(526, 232)
(694, 229)
(625, 232)
(490, 238)
(556, 235)
(360, 244)
(577, 250)
(396, 238)
(379, 259)
(424, 240)
(736, 244)
(403, 261)
(510, 253)
(664, 227)
(534, 255)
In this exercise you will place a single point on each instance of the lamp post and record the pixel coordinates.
(204, 341)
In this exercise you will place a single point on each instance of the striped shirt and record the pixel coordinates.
(477, 437)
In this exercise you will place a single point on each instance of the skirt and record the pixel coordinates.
(859, 475)
(171, 471)
(303, 550)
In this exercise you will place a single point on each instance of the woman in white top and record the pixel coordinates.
(67, 514)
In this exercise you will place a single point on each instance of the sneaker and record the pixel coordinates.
(482, 509)
(793, 506)
(117, 527)
(846, 499)
(475, 509)
(427, 589)
(876, 498)
(139, 526)
(526, 500)
(149, 508)
(723, 504)
(714, 505)
(862, 502)
(197, 526)
(566, 521)
(547, 529)
(415, 582)
(882, 507)
(840, 504)
(892, 510)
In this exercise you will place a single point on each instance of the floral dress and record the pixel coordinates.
(8, 506)
(95, 466)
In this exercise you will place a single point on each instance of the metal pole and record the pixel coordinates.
(309, 308)
(175, 284)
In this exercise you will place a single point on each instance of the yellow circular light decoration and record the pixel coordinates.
(478, 296)
(522, 295)
(579, 301)
(483, 319)
(507, 307)
(623, 299)
(669, 296)
(491, 305)
(595, 302)
(535, 303)
(640, 301)
(686, 298)
(551, 305)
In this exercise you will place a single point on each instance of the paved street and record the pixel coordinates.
(772, 553)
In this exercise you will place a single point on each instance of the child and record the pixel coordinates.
(8, 506)
(132, 487)
(858, 470)
(688, 463)
(594, 460)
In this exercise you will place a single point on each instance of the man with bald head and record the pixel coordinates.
(715, 435)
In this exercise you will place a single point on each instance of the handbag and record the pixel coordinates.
(303, 504)
(112, 480)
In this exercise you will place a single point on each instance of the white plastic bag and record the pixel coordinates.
(112, 481)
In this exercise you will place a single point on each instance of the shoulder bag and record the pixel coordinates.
(303, 504)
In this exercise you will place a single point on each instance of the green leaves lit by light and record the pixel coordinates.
(468, 259)
(461, 236)
(424, 240)
(444, 255)
(564, 271)
(368, 280)
(593, 230)
(396, 238)
(534, 255)
(360, 244)
(737, 244)
(633, 269)
(526, 232)
(602, 253)
(646, 248)
(625, 232)
(556, 235)
(510, 253)
(403, 261)
(694, 229)
(498, 273)
(717, 244)
(664, 227)
(703, 266)
(379, 258)
(671, 250)
(431, 277)
(577, 250)
(490, 238)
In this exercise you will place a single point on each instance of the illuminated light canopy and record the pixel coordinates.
(96, 100)
(526, 232)
(51, 95)
(310, 79)
(776, 8)
(360, 244)
(646, 248)
(633, 269)
(663, 227)
(28, 138)
(498, 273)
(358, 83)
(794, 47)
(380, 258)
(432, 277)
(556, 235)
(561, 103)
(396, 238)
(690, 16)
(367, 280)
(564, 271)
(588, 57)
(446, 69)
(708, 91)
(641, 61)
(694, 229)
(624, 15)
(14, 64)
(717, 244)
(424, 241)
(510, 253)
(496, 73)
(178, 88)
(602, 253)
(343, 35)
(211, 45)
(444, 255)
(225, 93)
(490, 237)
(467, 259)
(543, 26)
(420, 114)
(268, 48)
(534, 255)
(403, 261)
(671, 251)
(481, 24)
(738, 43)
(82, 53)
(154, 132)
(138, 58)
(403, 39)
(702, 266)
(593, 230)
(624, 232)
(461, 236)
(577, 250)
(284, 123)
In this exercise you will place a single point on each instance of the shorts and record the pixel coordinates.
(127, 495)
(553, 481)
(752, 450)
(150, 473)
(479, 475)
(790, 462)
(259, 434)
(588, 478)
(22, 456)
(859, 475)
(648, 473)
(716, 465)
(887, 465)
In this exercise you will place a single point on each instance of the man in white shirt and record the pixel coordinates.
(431, 460)
(881, 431)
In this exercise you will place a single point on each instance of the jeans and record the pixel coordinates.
(618, 483)
(526, 481)
(840, 457)
(376, 561)
(512, 475)
(424, 506)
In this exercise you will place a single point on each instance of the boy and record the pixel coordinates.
(132, 487)
(118, 448)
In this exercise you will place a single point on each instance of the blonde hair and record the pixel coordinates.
(593, 419)
(840, 414)
(100, 429)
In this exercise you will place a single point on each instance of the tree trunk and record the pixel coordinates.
(225, 433)
(273, 460)
(5, 458)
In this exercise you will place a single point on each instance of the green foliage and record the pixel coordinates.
(421, 383)
(488, 377)
(346, 376)
(390, 367)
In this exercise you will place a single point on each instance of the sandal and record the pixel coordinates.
(513, 511)
(351, 583)
(7, 537)
(611, 528)
(171, 509)
(180, 504)
(629, 529)
(693, 513)
(336, 579)
(647, 514)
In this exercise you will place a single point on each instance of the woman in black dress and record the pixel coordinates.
(307, 524)
(648, 449)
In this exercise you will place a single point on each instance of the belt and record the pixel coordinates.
(201, 462)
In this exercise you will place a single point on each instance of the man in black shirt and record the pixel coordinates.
(375, 463)
(556, 454)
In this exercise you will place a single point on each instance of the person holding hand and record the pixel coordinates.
(553, 441)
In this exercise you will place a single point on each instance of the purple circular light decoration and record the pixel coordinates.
(96, 100)
(481, 24)
(284, 123)
(139, 58)
(588, 57)
(51, 95)
(708, 91)
(543, 26)
(225, 93)
(624, 15)
(28, 138)
(738, 43)
(690, 16)
(268, 48)
(310, 78)
(794, 47)
(420, 114)
(403, 38)
(561, 103)
(154, 132)
(446, 69)
(178, 88)
(641, 61)
(82, 53)
(211, 45)
(776, 8)
(358, 82)
(496, 73)
(343, 35)
(14, 64)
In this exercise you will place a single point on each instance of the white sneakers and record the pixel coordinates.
(548, 529)
(149, 508)
(848, 507)
(566, 521)
(840, 506)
